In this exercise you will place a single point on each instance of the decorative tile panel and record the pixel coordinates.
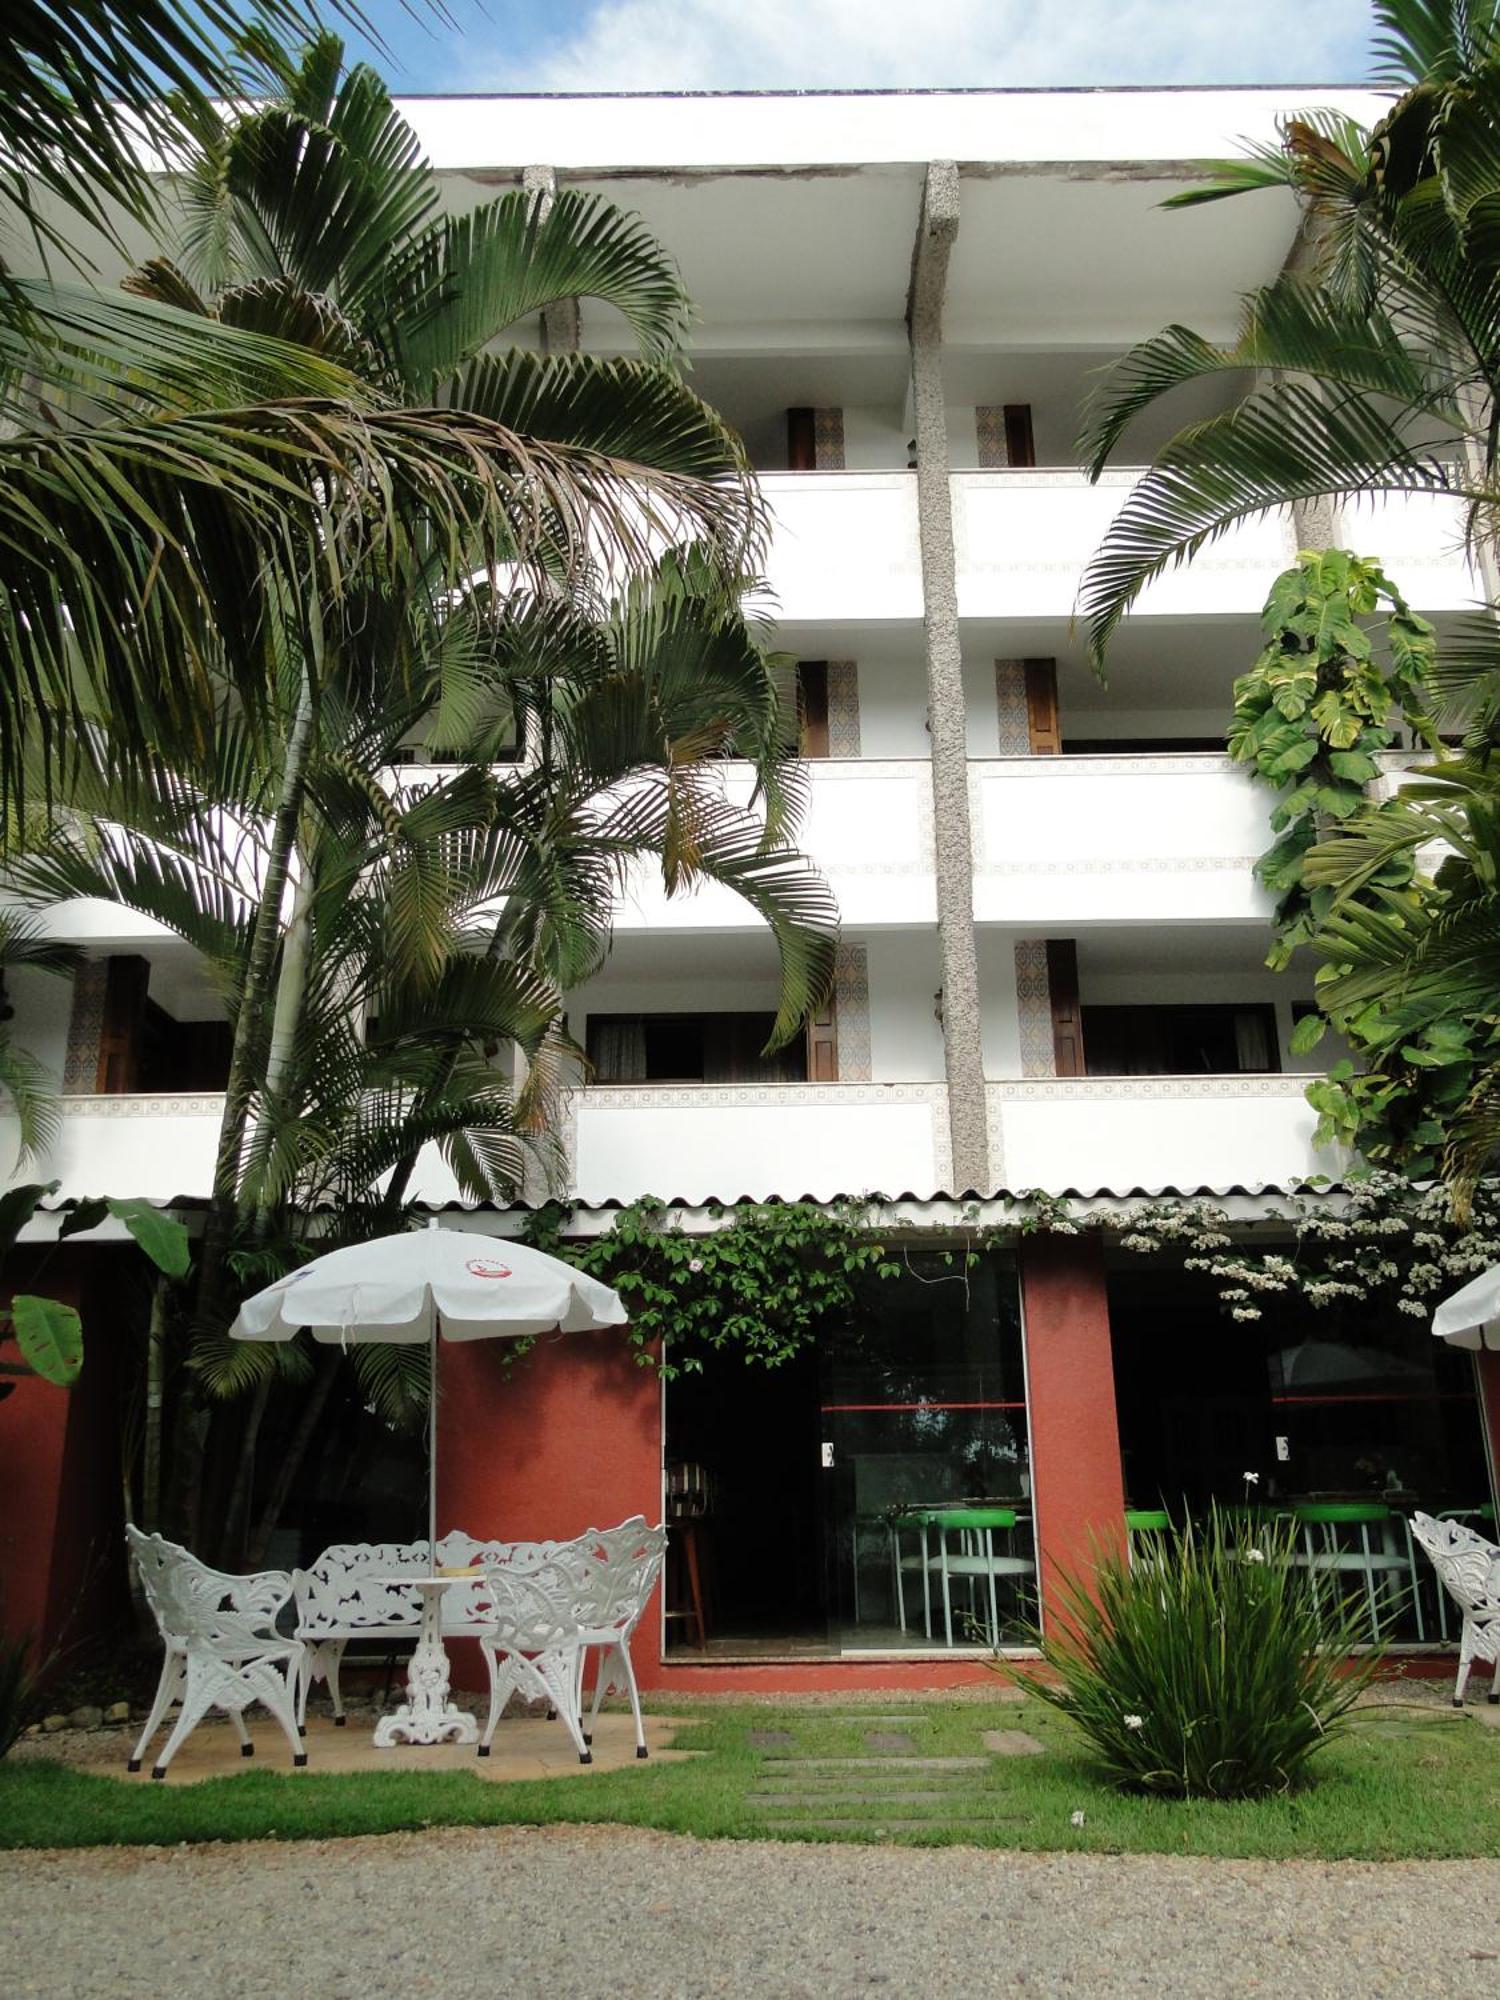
(85, 1028)
(989, 436)
(1034, 1008)
(843, 708)
(828, 440)
(852, 998)
(1010, 703)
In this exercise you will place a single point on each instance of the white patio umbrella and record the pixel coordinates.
(1471, 1318)
(426, 1283)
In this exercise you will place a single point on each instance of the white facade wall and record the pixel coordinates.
(1146, 857)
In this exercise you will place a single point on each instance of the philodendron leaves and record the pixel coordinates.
(50, 1337)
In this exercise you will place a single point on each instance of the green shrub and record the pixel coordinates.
(1201, 1668)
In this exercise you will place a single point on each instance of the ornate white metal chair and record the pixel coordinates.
(598, 1585)
(617, 1570)
(1468, 1569)
(222, 1647)
(535, 1643)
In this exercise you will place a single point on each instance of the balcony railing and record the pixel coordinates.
(700, 1141)
(844, 545)
(1154, 1132)
(1082, 840)
(868, 829)
(1023, 538)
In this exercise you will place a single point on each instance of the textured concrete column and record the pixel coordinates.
(1316, 522)
(560, 321)
(962, 1048)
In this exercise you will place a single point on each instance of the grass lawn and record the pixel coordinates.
(1407, 1783)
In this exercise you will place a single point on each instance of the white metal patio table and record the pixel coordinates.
(427, 1715)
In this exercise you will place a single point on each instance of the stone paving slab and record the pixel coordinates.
(876, 1721)
(770, 1739)
(1013, 1743)
(855, 1799)
(789, 1764)
(891, 1742)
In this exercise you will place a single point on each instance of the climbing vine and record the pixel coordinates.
(765, 1283)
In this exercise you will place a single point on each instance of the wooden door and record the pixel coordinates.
(1067, 1016)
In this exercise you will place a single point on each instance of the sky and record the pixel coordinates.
(584, 45)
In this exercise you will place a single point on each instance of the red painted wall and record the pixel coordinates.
(61, 1534)
(1076, 1484)
(567, 1438)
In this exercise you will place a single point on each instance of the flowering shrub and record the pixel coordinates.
(1198, 1667)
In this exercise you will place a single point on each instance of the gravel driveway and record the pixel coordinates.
(611, 1914)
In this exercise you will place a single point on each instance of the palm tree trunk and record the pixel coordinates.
(291, 990)
(292, 1457)
(255, 992)
(237, 1507)
(149, 1517)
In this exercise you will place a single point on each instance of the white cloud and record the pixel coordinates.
(914, 44)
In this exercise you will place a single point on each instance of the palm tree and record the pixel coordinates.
(313, 217)
(1376, 361)
(170, 489)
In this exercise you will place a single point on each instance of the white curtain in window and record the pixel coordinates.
(1252, 1047)
(619, 1050)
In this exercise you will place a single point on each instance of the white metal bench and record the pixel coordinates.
(339, 1602)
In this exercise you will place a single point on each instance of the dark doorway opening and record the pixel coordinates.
(754, 1433)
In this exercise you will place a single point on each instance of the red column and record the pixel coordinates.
(61, 1545)
(567, 1438)
(1076, 1483)
(33, 1442)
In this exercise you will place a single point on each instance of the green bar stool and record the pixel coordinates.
(975, 1557)
(1325, 1553)
(1143, 1521)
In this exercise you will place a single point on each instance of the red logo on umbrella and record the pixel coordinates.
(486, 1267)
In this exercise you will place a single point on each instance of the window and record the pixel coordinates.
(1180, 1041)
(690, 1048)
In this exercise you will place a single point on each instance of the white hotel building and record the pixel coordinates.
(1052, 963)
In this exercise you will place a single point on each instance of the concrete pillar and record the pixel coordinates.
(1077, 1487)
(962, 1046)
(560, 321)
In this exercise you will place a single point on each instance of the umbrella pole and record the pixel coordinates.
(432, 1396)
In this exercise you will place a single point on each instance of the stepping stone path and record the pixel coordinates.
(1013, 1743)
(873, 1795)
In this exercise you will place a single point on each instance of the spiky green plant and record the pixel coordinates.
(1202, 1665)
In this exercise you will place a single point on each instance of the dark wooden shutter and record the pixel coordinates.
(122, 1037)
(801, 441)
(823, 1044)
(1020, 448)
(812, 707)
(1067, 1016)
(1041, 707)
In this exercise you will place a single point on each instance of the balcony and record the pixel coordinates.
(1154, 1132)
(843, 546)
(868, 828)
(1064, 842)
(698, 1141)
(1023, 538)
